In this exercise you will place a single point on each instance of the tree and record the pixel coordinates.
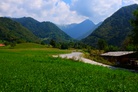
(102, 44)
(13, 44)
(134, 35)
(111, 48)
(53, 43)
(134, 23)
(64, 46)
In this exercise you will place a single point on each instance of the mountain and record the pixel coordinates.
(44, 30)
(114, 29)
(67, 27)
(77, 31)
(13, 31)
(90, 31)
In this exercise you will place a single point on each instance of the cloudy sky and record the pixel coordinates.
(62, 11)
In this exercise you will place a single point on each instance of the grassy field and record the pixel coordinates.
(34, 70)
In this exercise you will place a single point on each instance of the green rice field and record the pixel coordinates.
(31, 68)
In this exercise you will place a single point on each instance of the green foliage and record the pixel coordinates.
(112, 48)
(44, 30)
(14, 32)
(102, 44)
(131, 47)
(134, 23)
(114, 29)
(13, 44)
(69, 45)
(64, 46)
(53, 43)
(60, 45)
(35, 70)
(95, 55)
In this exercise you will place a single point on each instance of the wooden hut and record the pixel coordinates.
(121, 57)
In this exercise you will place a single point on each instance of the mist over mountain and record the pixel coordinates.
(114, 29)
(79, 31)
(90, 31)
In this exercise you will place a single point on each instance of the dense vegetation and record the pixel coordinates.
(69, 45)
(12, 31)
(34, 69)
(134, 23)
(44, 30)
(115, 29)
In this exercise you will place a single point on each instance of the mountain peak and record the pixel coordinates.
(87, 21)
(78, 31)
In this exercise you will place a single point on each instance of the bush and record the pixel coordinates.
(95, 55)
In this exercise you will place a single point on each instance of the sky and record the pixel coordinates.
(62, 11)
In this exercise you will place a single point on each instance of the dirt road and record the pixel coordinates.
(79, 56)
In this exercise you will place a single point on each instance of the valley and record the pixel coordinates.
(35, 56)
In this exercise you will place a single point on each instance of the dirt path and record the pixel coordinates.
(79, 56)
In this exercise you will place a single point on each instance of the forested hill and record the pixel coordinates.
(44, 30)
(14, 32)
(114, 29)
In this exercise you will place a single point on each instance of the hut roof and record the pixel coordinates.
(2, 45)
(118, 53)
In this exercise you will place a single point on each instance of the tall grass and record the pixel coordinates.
(34, 70)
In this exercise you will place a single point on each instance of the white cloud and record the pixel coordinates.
(128, 2)
(96, 10)
(55, 11)
(58, 11)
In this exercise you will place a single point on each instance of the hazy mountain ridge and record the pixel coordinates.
(90, 31)
(78, 31)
